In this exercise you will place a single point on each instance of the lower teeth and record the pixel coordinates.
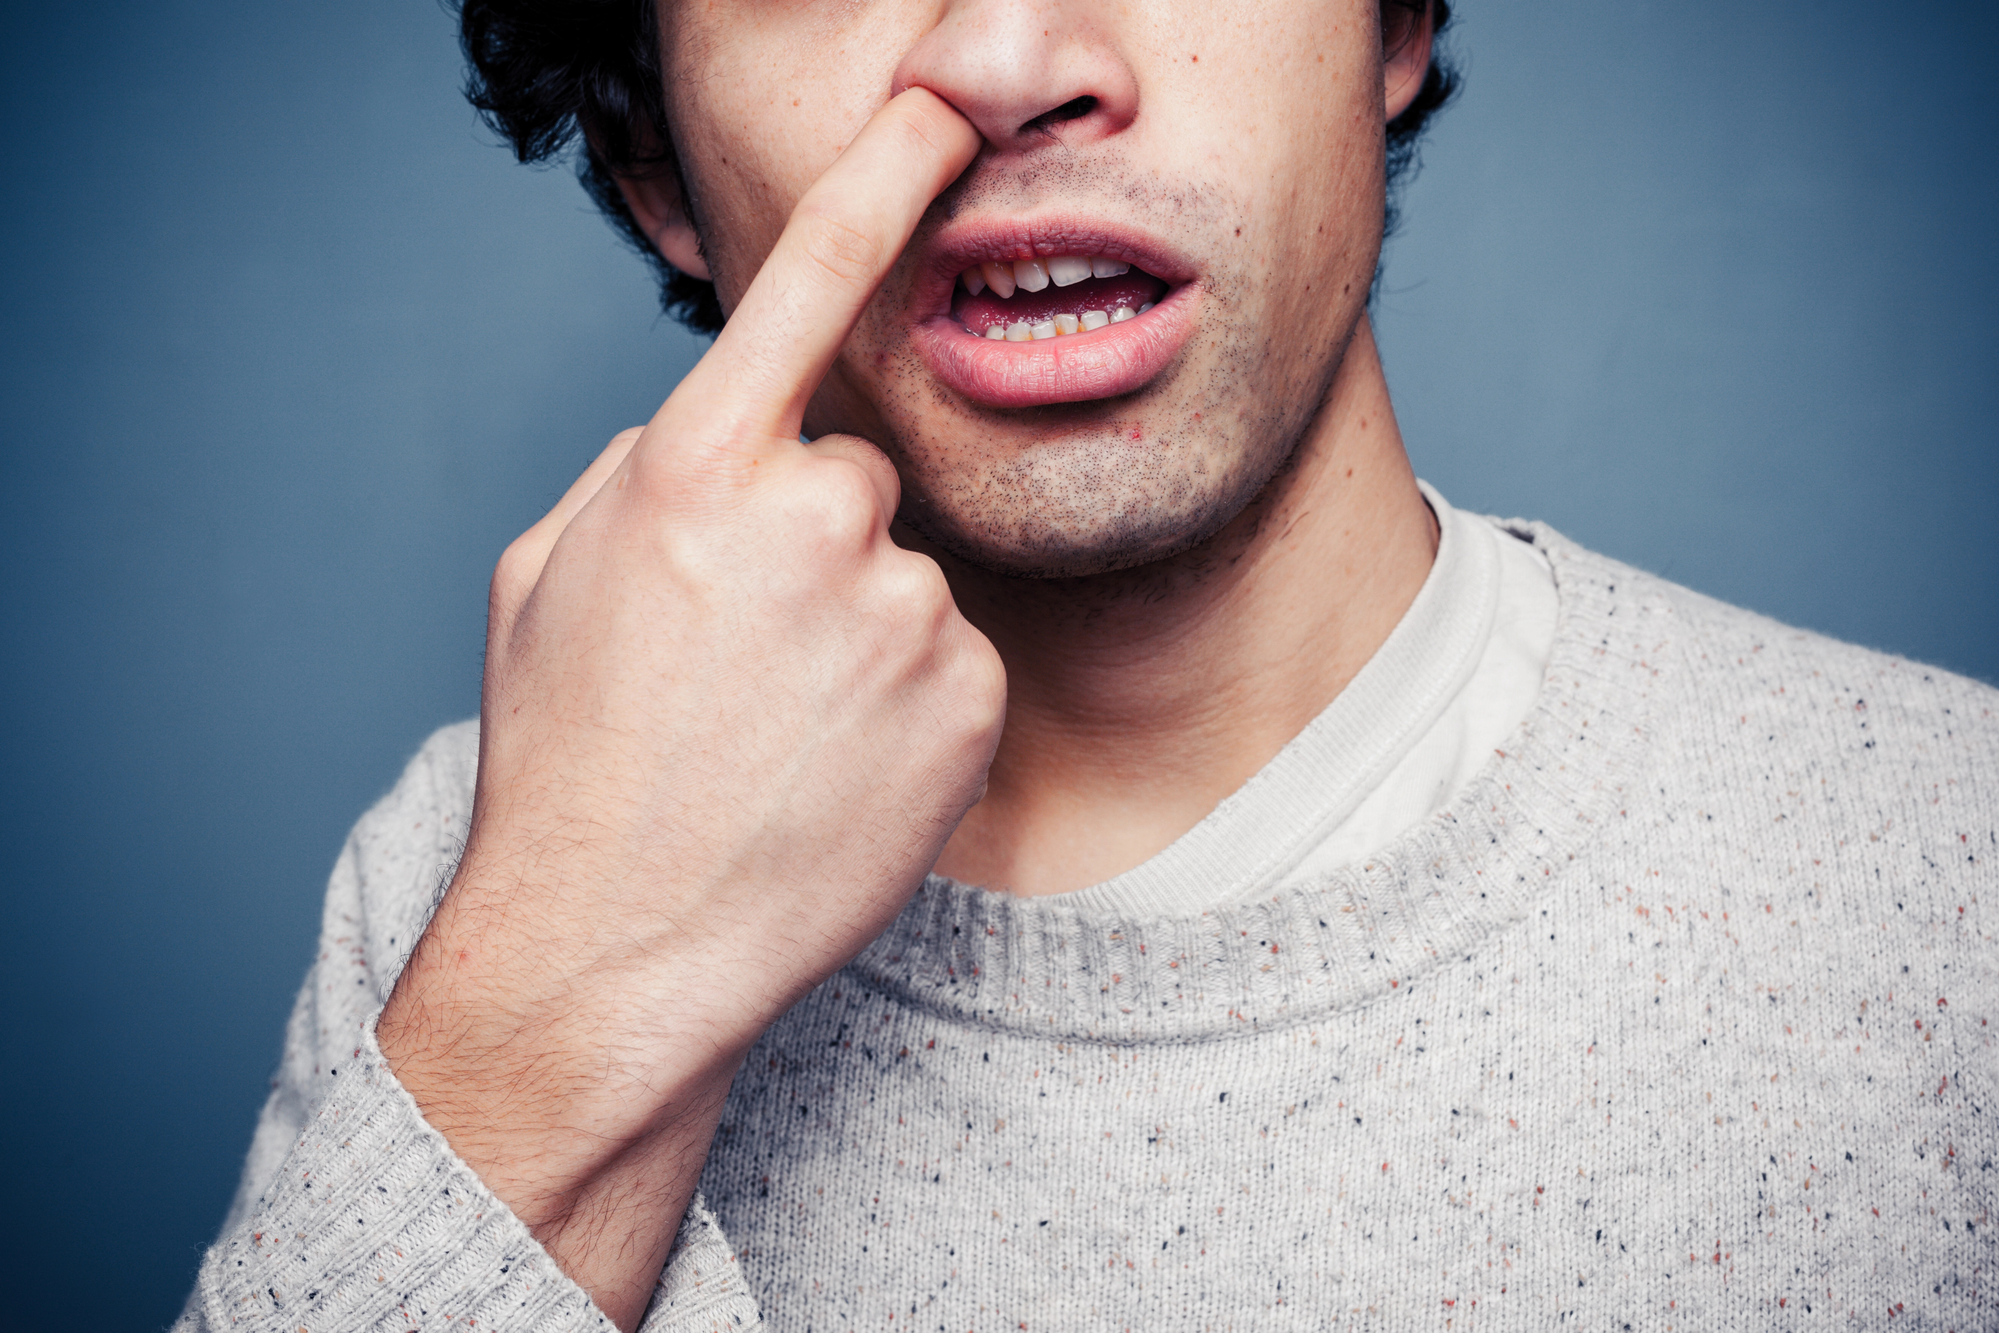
(1060, 325)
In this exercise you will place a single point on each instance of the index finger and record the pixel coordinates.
(840, 242)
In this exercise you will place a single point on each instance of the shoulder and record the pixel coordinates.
(1753, 694)
(1842, 699)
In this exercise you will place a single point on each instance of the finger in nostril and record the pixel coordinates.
(1073, 109)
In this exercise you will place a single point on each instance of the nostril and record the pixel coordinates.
(1073, 109)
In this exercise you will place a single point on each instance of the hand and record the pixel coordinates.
(727, 726)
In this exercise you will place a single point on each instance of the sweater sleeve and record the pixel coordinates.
(353, 1212)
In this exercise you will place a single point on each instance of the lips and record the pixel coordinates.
(1028, 315)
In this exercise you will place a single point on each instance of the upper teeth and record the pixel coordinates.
(1032, 275)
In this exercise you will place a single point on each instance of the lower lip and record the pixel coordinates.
(1071, 368)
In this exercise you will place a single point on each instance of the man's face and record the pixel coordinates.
(1231, 156)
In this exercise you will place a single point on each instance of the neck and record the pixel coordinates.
(1137, 701)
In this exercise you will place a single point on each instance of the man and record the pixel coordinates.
(1087, 841)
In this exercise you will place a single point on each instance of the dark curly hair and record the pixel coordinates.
(545, 72)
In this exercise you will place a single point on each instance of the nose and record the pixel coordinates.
(1027, 74)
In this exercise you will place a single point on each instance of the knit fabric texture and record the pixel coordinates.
(1681, 1016)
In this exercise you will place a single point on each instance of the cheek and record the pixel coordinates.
(780, 94)
(745, 182)
(1284, 117)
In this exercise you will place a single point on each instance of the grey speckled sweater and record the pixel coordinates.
(1681, 1017)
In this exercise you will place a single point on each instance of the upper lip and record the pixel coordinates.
(963, 243)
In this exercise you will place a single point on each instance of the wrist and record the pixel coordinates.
(541, 1088)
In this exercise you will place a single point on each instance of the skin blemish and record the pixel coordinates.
(1195, 59)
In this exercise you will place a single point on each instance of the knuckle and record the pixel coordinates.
(919, 590)
(983, 683)
(881, 474)
(833, 241)
(916, 139)
(840, 507)
(863, 454)
(514, 572)
(651, 475)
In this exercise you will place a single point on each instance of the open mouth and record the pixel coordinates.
(1035, 313)
(1062, 295)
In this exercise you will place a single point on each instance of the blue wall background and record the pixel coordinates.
(290, 352)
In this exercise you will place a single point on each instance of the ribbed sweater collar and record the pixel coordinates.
(1258, 835)
(1048, 967)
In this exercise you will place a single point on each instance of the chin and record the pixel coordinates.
(1057, 556)
(1088, 513)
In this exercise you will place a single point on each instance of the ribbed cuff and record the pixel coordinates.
(702, 1289)
(373, 1222)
